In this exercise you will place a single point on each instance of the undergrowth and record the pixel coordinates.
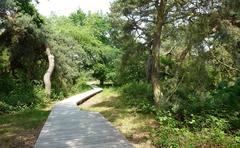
(209, 122)
(20, 93)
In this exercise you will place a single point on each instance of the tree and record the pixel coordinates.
(100, 72)
(78, 17)
(47, 75)
(155, 53)
(89, 48)
(145, 21)
(22, 33)
(25, 37)
(99, 48)
(22, 48)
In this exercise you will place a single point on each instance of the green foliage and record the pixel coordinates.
(80, 85)
(137, 90)
(99, 72)
(23, 38)
(193, 121)
(227, 95)
(139, 95)
(4, 59)
(100, 27)
(145, 106)
(78, 17)
(17, 94)
(196, 130)
(132, 68)
(79, 44)
(19, 124)
(5, 108)
(199, 63)
(88, 50)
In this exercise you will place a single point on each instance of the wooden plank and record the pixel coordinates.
(67, 126)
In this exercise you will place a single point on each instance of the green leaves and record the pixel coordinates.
(82, 47)
(78, 17)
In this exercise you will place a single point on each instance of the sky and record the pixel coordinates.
(66, 7)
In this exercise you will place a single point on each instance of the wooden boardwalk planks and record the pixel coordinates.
(68, 127)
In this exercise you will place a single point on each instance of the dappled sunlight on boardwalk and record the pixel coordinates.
(67, 126)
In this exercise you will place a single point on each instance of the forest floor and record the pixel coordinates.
(21, 129)
(133, 125)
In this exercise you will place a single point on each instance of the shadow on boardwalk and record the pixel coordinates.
(67, 126)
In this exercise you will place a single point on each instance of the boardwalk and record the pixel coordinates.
(68, 127)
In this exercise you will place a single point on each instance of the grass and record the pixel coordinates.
(160, 129)
(22, 128)
(133, 125)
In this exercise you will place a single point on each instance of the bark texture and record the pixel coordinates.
(155, 53)
(47, 75)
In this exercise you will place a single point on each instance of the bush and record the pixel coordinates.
(80, 86)
(137, 90)
(133, 67)
(145, 106)
(139, 95)
(196, 130)
(19, 93)
(100, 72)
(5, 108)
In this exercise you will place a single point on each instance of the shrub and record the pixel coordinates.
(139, 95)
(137, 90)
(100, 72)
(80, 86)
(19, 93)
(5, 108)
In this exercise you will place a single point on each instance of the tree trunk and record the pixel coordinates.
(47, 75)
(149, 66)
(155, 53)
(154, 75)
(101, 82)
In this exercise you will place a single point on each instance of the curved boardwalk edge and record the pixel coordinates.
(68, 126)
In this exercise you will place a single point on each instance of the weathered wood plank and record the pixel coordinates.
(67, 126)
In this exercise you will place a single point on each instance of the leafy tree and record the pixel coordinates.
(22, 48)
(100, 72)
(78, 17)
(23, 35)
(145, 21)
(152, 22)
